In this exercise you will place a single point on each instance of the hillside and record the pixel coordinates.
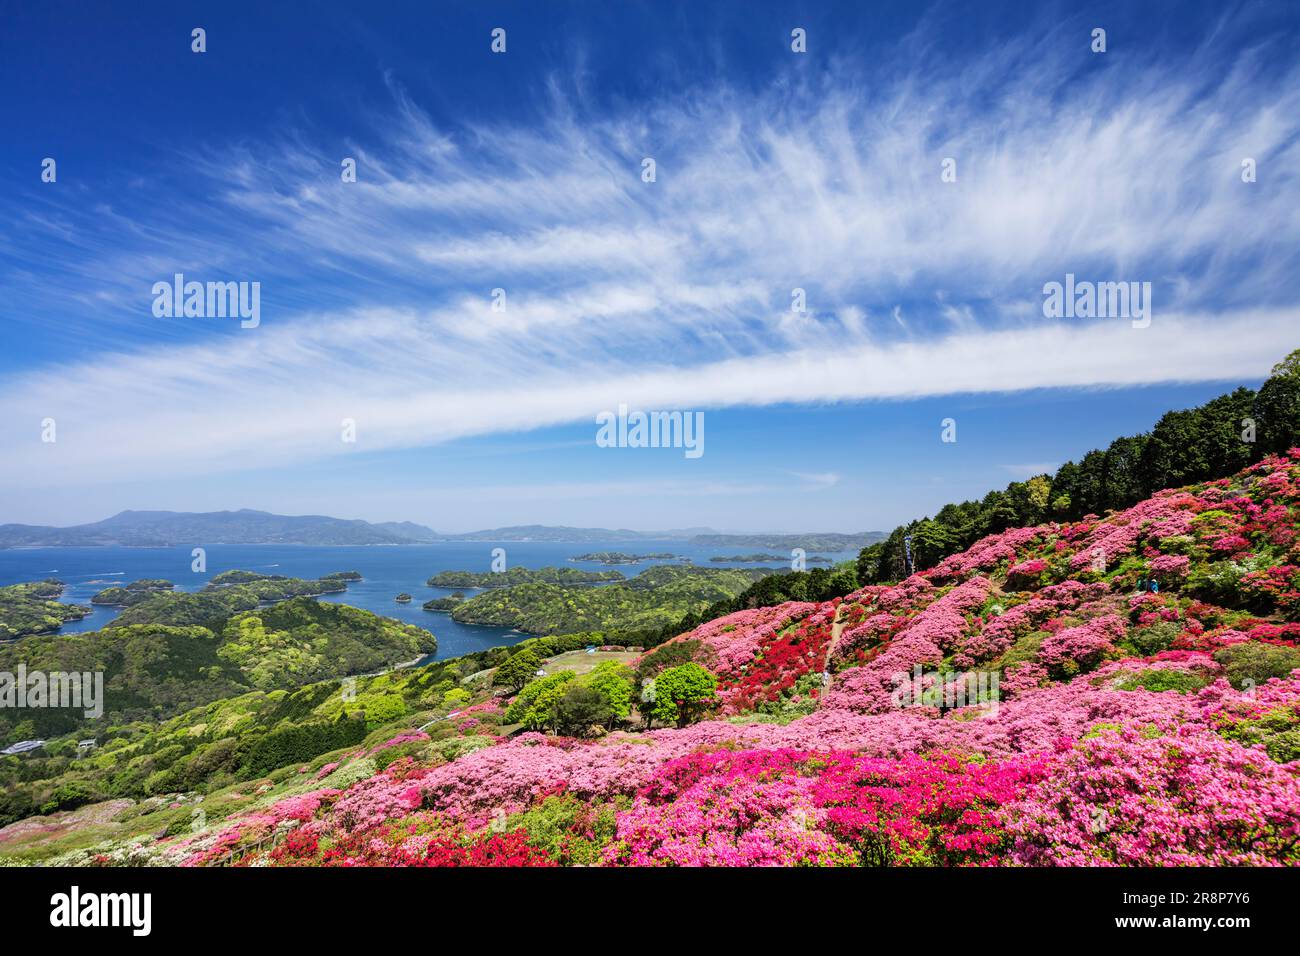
(1188, 445)
(175, 651)
(1029, 700)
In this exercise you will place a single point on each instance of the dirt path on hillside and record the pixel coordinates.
(837, 628)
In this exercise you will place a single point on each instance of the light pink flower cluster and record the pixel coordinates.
(1085, 645)
(1022, 678)
(1185, 798)
(1116, 537)
(989, 553)
(875, 630)
(1170, 565)
(908, 595)
(740, 813)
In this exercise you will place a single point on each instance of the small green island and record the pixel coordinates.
(133, 593)
(514, 576)
(620, 557)
(447, 603)
(278, 587)
(403, 598)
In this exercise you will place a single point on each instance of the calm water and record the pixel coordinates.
(386, 572)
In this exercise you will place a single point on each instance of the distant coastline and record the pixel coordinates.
(173, 529)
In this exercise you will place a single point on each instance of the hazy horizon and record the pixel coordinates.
(522, 524)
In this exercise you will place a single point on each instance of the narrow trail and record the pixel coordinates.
(837, 628)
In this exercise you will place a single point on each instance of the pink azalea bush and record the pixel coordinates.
(1082, 647)
(1181, 798)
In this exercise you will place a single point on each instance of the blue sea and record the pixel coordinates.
(386, 572)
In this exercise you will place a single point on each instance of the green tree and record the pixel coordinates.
(384, 709)
(1122, 484)
(1277, 407)
(615, 683)
(580, 708)
(535, 706)
(869, 560)
(932, 541)
(517, 670)
(1251, 664)
(1038, 492)
(682, 693)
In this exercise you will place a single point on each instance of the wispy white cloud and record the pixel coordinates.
(677, 293)
(280, 397)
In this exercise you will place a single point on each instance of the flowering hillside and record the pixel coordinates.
(1114, 691)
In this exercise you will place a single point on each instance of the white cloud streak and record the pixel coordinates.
(677, 293)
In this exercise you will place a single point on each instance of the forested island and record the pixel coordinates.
(620, 557)
(227, 593)
(445, 603)
(653, 599)
(132, 593)
(35, 608)
(518, 575)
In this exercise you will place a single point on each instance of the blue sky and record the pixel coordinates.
(522, 171)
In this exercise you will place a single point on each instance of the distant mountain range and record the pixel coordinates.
(162, 528)
(143, 529)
